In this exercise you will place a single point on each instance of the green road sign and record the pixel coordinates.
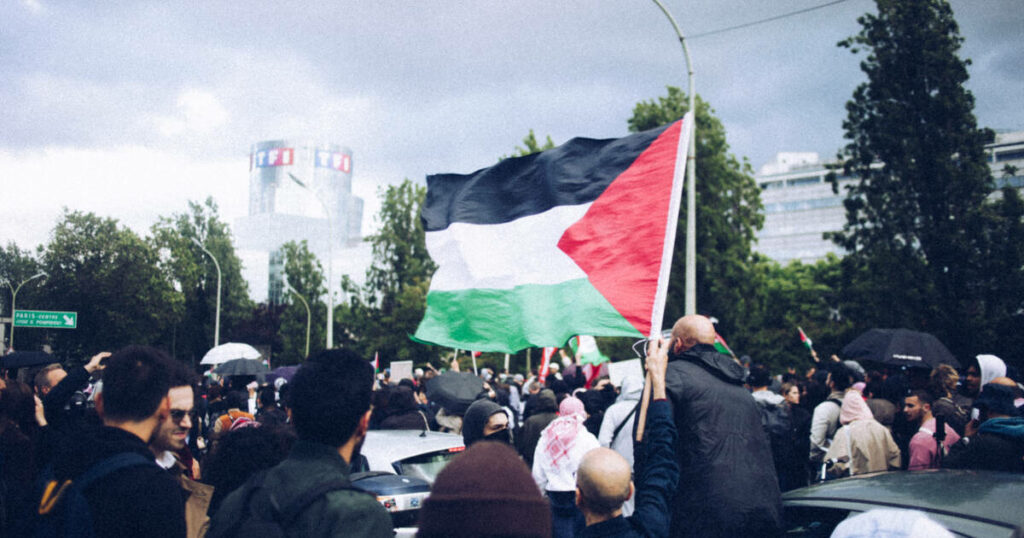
(45, 319)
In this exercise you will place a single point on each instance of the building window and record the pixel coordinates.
(1011, 155)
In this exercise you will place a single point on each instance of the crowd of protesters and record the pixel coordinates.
(136, 444)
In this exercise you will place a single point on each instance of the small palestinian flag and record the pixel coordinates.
(574, 240)
(542, 374)
(585, 348)
(376, 361)
(804, 339)
(721, 346)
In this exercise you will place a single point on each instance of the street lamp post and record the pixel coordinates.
(14, 298)
(309, 317)
(330, 258)
(216, 322)
(690, 303)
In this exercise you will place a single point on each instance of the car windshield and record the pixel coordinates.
(425, 466)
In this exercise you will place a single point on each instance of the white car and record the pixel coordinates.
(399, 466)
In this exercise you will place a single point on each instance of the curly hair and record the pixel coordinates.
(942, 381)
(242, 453)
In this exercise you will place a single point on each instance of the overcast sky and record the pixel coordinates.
(132, 109)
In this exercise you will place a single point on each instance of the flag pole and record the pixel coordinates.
(691, 179)
(687, 136)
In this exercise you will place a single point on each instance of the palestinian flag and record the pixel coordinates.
(573, 240)
(721, 346)
(804, 339)
(545, 362)
(585, 348)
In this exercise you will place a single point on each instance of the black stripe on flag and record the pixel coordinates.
(574, 173)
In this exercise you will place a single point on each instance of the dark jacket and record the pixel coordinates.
(412, 419)
(141, 500)
(657, 474)
(67, 418)
(545, 410)
(341, 512)
(998, 446)
(727, 485)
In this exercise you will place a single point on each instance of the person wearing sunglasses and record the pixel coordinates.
(169, 445)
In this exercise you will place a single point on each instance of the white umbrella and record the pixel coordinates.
(230, 351)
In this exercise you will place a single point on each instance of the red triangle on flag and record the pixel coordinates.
(619, 241)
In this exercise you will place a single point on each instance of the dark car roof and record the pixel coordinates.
(983, 495)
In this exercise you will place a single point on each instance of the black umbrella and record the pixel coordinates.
(241, 367)
(454, 391)
(20, 359)
(899, 347)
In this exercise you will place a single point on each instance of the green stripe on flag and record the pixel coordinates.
(507, 320)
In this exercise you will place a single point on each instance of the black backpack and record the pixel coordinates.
(778, 425)
(63, 509)
(273, 523)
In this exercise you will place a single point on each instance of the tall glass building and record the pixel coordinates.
(298, 190)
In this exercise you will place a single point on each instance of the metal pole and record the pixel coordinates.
(216, 321)
(330, 259)
(690, 303)
(14, 299)
(309, 316)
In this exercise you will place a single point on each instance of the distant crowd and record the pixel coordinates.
(698, 443)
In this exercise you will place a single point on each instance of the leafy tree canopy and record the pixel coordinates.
(728, 217)
(195, 273)
(110, 276)
(922, 231)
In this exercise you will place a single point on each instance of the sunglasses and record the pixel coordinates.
(177, 415)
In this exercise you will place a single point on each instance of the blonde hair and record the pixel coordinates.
(942, 380)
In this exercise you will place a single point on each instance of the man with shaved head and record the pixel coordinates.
(603, 478)
(727, 485)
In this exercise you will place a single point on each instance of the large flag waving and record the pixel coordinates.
(573, 240)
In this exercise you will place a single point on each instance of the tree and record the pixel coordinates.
(305, 274)
(728, 217)
(808, 296)
(110, 276)
(380, 316)
(195, 273)
(17, 266)
(531, 145)
(917, 218)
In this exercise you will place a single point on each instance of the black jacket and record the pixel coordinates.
(998, 446)
(727, 485)
(657, 471)
(412, 419)
(142, 500)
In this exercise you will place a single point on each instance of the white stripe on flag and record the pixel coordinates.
(503, 256)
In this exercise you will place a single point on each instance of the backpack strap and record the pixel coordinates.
(286, 516)
(109, 465)
(622, 424)
(52, 493)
